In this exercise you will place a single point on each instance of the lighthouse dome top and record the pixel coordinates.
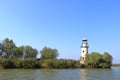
(84, 39)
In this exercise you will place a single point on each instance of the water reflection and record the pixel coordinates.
(97, 74)
(83, 74)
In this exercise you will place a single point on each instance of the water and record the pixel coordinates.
(60, 74)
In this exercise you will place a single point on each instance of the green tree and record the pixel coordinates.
(48, 53)
(9, 46)
(18, 52)
(30, 52)
(96, 60)
(107, 59)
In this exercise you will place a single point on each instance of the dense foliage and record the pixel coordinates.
(48, 53)
(8, 49)
(97, 60)
(34, 63)
(7, 46)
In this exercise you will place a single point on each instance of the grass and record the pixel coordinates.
(115, 64)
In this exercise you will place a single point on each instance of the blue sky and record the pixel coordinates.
(62, 24)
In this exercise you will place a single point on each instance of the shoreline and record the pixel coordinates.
(29, 63)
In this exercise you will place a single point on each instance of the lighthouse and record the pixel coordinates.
(84, 50)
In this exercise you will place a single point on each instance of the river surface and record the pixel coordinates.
(60, 74)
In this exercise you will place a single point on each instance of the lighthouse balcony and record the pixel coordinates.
(84, 47)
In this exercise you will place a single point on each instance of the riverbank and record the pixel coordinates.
(116, 65)
(34, 63)
(29, 63)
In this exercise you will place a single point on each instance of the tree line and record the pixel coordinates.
(12, 56)
(8, 49)
(29, 63)
(97, 60)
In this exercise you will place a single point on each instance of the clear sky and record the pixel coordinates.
(62, 24)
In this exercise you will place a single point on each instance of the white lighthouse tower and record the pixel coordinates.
(84, 50)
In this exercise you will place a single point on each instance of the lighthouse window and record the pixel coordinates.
(83, 58)
(83, 51)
